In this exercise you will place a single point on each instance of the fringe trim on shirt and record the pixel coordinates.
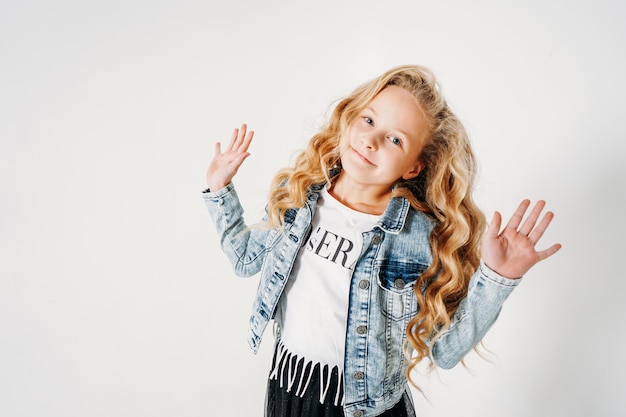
(287, 368)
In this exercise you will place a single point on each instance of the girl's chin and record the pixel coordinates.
(353, 175)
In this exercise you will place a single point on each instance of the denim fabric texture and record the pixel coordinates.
(395, 252)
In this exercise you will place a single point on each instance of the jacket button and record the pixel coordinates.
(358, 413)
(376, 239)
(399, 283)
(359, 375)
(364, 284)
(361, 329)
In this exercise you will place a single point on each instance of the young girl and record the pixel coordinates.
(371, 258)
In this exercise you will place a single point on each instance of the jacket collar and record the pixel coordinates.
(395, 214)
(393, 219)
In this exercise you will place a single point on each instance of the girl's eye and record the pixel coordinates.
(395, 140)
(368, 120)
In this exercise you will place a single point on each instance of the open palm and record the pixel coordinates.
(225, 164)
(511, 252)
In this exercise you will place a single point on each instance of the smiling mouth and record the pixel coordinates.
(361, 157)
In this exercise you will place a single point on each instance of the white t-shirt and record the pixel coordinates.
(313, 310)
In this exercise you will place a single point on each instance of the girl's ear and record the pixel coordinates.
(413, 172)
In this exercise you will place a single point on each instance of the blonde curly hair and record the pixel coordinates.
(442, 190)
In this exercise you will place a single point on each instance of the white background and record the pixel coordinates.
(115, 299)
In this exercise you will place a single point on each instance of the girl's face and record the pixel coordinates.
(383, 143)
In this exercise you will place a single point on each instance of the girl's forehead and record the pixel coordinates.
(395, 99)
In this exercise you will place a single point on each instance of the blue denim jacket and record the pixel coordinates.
(395, 252)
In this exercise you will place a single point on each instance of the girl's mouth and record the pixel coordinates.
(361, 157)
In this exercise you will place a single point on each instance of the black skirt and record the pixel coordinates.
(297, 388)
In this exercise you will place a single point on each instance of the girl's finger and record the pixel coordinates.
(541, 228)
(494, 227)
(241, 137)
(518, 215)
(246, 143)
(240, 158)
(549, 252)
(233, 139)
(218, 149)
(531, 220)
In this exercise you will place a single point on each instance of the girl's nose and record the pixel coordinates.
(370, 141)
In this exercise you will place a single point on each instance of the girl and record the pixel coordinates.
(371, 258)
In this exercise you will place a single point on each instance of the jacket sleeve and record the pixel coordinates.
(245, 247)
(476, 314)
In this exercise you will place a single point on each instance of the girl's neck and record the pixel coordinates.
(364, 198)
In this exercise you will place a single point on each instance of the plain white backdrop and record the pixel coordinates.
(115, 299)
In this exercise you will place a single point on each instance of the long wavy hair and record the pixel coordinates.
(442, 190)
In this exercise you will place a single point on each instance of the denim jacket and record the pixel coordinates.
(394, 253)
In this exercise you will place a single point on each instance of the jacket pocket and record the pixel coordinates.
(397, 278)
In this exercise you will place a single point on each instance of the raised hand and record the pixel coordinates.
(225, 164)
(511, 252)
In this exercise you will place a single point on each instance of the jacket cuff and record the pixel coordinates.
(493, 276)
(208, 194)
